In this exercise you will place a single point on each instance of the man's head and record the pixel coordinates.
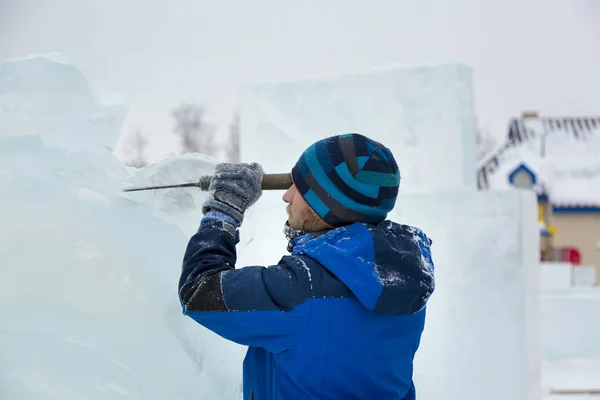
(341, 180)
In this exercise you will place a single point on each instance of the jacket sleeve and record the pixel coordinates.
(253, 306)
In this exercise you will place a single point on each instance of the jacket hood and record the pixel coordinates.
(388, 266)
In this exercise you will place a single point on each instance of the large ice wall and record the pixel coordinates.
(570, 316)
(88, 305)
(45, 94)
(482, 325)
(425, 115)
(570, 323)
(88, 276)
(481, 338)
(180, 206)
(482, 321)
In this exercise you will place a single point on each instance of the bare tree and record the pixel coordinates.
(196, 137)
(233, 144)
(136, 146)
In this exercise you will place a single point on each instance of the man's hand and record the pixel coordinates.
(233, 188)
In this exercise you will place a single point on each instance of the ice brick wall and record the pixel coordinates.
(481, 339)
(570, 324)
(91, 275)
(46, 95)
(88, 277)
(88, 288)
(425, 115)
(555, 276)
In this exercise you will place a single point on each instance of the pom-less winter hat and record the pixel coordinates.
(348, 178)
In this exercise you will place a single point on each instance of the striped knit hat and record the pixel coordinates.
(348, 178)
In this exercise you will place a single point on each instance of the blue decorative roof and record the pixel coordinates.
(520, 168)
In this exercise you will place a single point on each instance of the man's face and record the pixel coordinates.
(300, 215)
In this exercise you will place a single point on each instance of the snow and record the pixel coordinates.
(570, 327)
(574, 183)
(408, 109)
(572, 375)
(558, 136)
(569, 169)
(567, 181)
(584, 276)
(555, 276)
(560, 277)
(571, 324)
(509, 160)
(88, 274)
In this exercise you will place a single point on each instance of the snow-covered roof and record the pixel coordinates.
(574, 183)
(561, 152)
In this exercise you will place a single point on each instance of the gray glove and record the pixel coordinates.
(233, 188)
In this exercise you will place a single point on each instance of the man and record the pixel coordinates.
(340, 317)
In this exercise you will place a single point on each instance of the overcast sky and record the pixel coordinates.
(525, 54)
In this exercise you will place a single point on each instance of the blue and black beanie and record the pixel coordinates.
(348, 178)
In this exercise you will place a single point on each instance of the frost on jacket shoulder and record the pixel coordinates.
(387, 267)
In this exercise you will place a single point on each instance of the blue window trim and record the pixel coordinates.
(522, 167)
(576, 210)
(544, 197)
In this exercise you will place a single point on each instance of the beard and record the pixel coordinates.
(302, 223)
(291, 233)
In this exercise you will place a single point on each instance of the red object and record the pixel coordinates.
(569, 254)
(575, 256)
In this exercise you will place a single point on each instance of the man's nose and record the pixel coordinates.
(286, 197)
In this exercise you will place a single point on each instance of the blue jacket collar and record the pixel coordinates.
(388, 266)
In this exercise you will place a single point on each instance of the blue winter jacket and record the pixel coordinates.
(341, 317)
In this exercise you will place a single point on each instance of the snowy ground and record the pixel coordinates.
(569, 376)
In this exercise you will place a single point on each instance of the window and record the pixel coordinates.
(523, 180)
